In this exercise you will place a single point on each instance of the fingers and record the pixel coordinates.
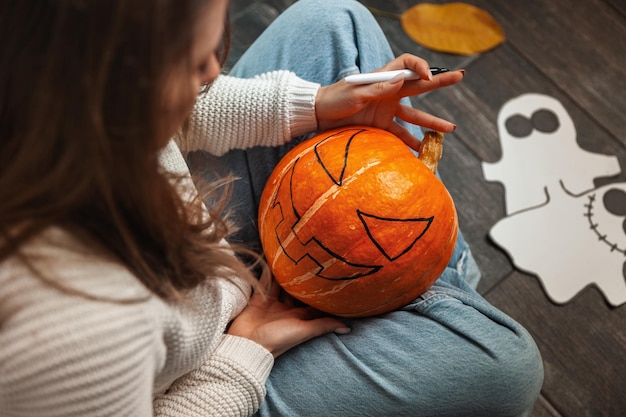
(401, 88)
(379, 91)
(422, 68)
(412, 62)
(310, 329)
(295, 327)
(377, 104)
(413, 88)
(427, 120)
(404, 134)
(328, 325)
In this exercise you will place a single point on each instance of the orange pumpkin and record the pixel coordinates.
(354, 224)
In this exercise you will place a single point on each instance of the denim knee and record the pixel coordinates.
(331, 7)
(516, 376)
(497, 367)
(326, 16)
(351, 30)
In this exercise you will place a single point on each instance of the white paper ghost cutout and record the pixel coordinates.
(557, 226)
(570, 242)
(542, 158)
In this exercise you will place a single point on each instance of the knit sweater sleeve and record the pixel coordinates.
(236, 113)
(231, 383)
(63, 354)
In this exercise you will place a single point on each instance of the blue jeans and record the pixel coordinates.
(449, 352)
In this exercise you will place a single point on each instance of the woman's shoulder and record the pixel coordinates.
(73, 323)
(55, 259)
(58, 280)
(73, 299)
(58, 285)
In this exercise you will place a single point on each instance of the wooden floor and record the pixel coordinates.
(570, 50)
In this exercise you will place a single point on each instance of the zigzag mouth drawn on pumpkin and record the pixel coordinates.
(308, 250)
(385, 233)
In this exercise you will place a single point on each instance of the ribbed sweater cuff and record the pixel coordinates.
(249, 354)
(302, 118)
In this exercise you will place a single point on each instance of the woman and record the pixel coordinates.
(118, 293)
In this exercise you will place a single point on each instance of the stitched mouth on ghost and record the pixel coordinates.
(614, 201)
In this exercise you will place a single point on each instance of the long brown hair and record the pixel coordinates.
(80, 135)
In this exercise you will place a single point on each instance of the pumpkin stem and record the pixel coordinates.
(431, 149)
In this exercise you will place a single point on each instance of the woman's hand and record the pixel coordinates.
(377, 104)
(278, 326)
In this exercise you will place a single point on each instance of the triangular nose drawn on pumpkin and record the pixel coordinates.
(334, 170)
(384, 232)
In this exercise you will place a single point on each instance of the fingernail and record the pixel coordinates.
(343, 330)
(462, 71)
(453, 128)
(397, 79)
(429, 75)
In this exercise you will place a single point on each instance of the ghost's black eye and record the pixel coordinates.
(543, 120)
(615, 201)
(518, 126)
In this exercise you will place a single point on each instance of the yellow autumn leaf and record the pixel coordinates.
(457, 28)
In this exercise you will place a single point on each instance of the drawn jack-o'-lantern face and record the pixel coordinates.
(352, 223)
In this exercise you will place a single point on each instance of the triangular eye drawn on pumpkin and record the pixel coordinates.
(335, 171)
(386, 233)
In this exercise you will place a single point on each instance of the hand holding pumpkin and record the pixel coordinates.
(377, 104)
(278, 326)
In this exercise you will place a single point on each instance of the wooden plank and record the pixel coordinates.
(543, 408)
(619, 6)
(400, 42)
(476, 206)
(582, 344)
(577, 45)
(491, 81)
(474, 106)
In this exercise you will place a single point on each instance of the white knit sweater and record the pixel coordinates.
(67, 355)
